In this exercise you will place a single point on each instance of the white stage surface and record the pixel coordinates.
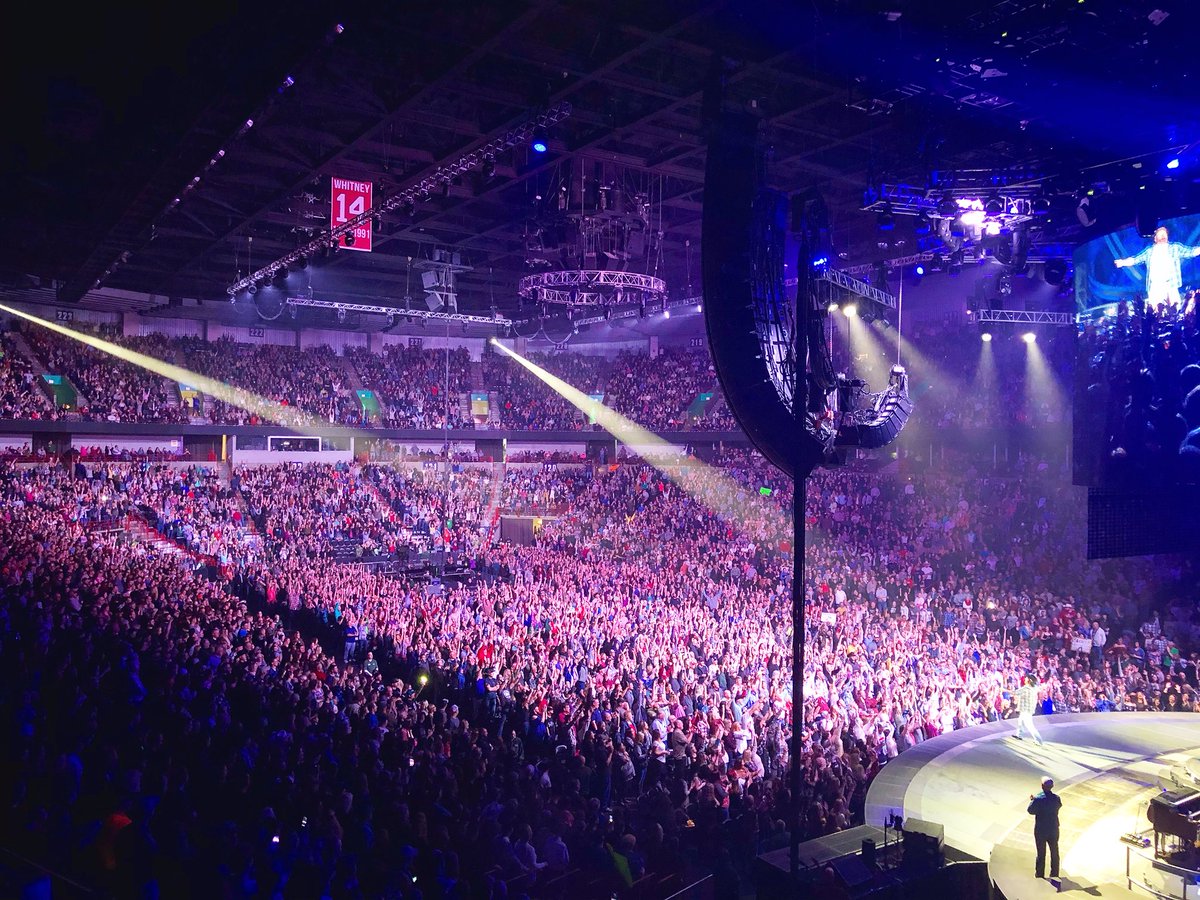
(976, 783)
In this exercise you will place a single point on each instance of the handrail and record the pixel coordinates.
(691, 887)
(58, 876)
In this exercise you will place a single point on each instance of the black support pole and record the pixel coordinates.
(799, 493)
(801, 466)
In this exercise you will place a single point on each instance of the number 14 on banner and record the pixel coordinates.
(349, 200)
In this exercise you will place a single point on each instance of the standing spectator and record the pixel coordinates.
(1099, 639)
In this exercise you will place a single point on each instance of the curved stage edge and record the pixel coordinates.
(976, 783)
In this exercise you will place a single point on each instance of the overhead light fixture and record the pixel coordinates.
(994, 205)
(851, 310)
(920, 269)
(540, 142)
(833, 307)
(1029, 337)
(986, 337)
(1173, 163)
(349, 236)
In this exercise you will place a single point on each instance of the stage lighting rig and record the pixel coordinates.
(422, 190)
(592, 240)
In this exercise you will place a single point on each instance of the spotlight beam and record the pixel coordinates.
(288, 417)
(719, 493)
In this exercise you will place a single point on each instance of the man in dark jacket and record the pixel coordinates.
(1044, 808)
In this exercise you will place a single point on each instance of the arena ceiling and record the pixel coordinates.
(130, 163)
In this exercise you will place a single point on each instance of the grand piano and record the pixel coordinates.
(1175, 812)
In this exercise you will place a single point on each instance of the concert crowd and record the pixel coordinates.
(605, 709)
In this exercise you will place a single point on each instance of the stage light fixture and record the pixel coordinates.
(349, 238)
(1029, 337)
(540, 142)
(833, 307)
(851, 311)
(1173, 163)
(986, 337)
(919, 270)
(994, 205)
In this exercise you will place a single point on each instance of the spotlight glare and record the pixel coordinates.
(1173, 164)
(666, 314)
(920, 270)
(851, 311)
(833, 307)
(986, 337)
(1029, 337)
(539, 142)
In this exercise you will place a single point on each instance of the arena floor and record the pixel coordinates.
(976, 783)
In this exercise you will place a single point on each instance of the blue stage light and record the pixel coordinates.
(920, 270)
(1173, 164)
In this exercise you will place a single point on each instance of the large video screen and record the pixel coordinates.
(1137, 391)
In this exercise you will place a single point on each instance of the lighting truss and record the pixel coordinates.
(348, 307)
(1027, 317)
(907, 200)
(615, 313)
(590, 287)
(854, 285)
(898, 262)
(467, 162)
(1038, 253)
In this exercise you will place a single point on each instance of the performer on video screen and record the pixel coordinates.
(1164, 279)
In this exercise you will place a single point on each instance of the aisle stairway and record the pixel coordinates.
(44, 375)
(141, 531)
(491, 518)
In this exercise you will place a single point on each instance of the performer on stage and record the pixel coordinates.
(1027, 701)
(1164, 278)
(1044, 808)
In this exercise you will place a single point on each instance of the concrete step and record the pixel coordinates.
(39, 367)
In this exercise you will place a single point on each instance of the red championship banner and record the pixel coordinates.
(349, 200)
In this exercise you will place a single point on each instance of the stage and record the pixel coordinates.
(976, 783)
